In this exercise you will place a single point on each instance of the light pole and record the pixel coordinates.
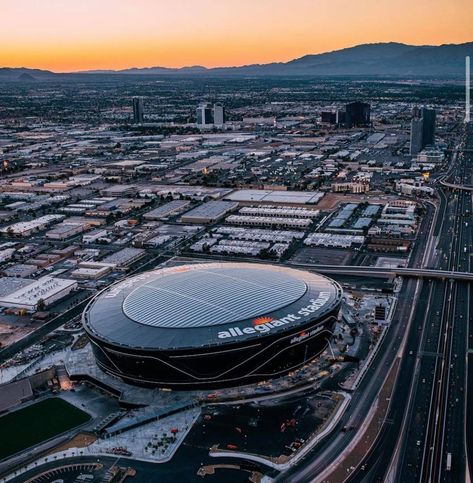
(467, 89)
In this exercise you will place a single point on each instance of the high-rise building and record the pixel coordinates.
(219, 114)
(416, 136)
(428, 126)
(422, 129)
(208, 115)
(138, 110)
(340, 117)
(357, 114)
(328, 117)
(204, 115)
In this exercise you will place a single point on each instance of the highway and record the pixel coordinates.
(402, 331)
(427, 418)
(437, 421)
(445, 418)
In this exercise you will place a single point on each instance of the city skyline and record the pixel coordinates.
(236, 241)
(123, 34)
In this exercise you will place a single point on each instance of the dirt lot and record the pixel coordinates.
(331, 200)
(80, 441)
(10, 334)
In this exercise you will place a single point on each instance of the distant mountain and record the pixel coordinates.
(392, 59)
(19, 73)
(25, 77)
(151, 70)
(380, 59)
(383, 59)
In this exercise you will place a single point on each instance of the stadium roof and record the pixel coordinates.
(211, 296)
(190, 305)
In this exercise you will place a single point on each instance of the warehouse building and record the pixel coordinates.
(47, 289)
(26, 228)
(172, 208)
(276, 197)
(209, 212)
(274, 222)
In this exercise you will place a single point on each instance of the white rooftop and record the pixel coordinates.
(43, 288)
(276, 196)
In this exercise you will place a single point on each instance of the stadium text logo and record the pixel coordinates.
(266, 324)
(304, 335)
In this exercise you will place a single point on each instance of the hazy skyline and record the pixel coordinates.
(116, 34)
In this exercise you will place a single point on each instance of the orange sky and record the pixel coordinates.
(71, 35)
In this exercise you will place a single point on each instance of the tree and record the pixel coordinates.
(40, 305)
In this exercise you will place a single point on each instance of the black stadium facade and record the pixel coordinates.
(211, 325)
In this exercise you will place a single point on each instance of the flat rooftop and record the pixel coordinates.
(276, 196)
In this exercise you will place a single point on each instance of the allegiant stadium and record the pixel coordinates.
(211, 325)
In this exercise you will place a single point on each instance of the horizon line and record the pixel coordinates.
(195, 66)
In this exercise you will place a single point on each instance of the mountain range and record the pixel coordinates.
(379, 59)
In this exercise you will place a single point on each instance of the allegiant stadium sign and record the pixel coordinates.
(266, 324)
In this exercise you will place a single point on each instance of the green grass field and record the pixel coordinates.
(37, 423)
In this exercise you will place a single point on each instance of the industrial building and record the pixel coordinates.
(46, 289)
(276, 197)
(172, 208)
(276, 222)
(66, 230)
(124, 258)
(209, 212)
(334, 240)
(25, 228)
(279, 211)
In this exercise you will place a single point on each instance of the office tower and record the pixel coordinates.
(218, 115)
(428, 126)
(204, 115)
(138, 110)
(357, 114)
(422, 129)
(416, 136)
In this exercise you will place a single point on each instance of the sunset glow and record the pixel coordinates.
(113, 34)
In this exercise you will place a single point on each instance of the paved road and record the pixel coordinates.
(432, 393)
(445, 429)
(366, 393)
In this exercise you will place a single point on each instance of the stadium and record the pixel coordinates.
(210, 325)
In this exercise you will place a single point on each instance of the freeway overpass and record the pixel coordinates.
(388, 272)
(456, 186)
